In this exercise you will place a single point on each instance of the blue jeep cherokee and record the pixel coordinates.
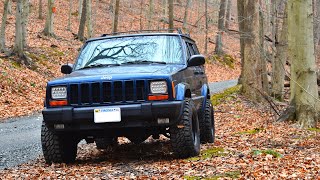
(132, 85)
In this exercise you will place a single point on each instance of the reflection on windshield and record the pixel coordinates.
(166, 49)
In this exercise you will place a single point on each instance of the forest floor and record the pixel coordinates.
(249, 144)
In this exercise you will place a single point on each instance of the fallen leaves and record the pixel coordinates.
(274, 150)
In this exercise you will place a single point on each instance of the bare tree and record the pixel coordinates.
(170, 14)
(116, 16)
(3, 26)
(25, 15)
(316, 22)
(251, 72)
(150, 13)
(18, 48)
(278, 66)
(10, 7)
(80, 6)
(218, 49)
(40, 10)
(82, 21)
(206, 23)
(222, 13)
(69, 16)
(48, 29)
(303, 84)
(186, 12)
(89, 18)
(263, 57)
(228, 14)
(240, 8)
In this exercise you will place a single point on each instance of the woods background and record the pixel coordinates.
(273, 42)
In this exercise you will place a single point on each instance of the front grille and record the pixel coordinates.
(108, 92)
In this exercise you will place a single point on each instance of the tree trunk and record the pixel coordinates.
(80, 7)
(222, 12)
(89, 18)
(280, 60)
(186, 12)
(141, 14)
(304, 90)
(264, 71)
(40, 10)
(69, 15)
(150, 13)
(240, 8)
(251, 72)
(18, 45)
(116, 17)
(228, 14)
(170, 15)
(10, 7)
(48, 29)
(82, 21)
(3, 27)
(25, 15)
(218, 49)
(206, 23)
(316, 22)
(165, 8)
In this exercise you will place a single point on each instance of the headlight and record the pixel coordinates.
(158, 87)
(59, 92)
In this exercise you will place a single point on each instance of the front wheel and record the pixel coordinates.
(185, 136)
(58, 148)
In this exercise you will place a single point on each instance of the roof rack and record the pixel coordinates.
(146, 30)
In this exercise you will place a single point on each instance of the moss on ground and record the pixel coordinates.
(251, 131)
(268, 151)
(229, 174)
(209, 153)
(314, 129)
(218, 98)
(226, 60)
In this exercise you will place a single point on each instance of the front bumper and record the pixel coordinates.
(132, 115)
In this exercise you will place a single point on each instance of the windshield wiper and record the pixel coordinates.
(144, 62)
(99, 65)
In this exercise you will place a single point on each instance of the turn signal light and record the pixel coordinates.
(58, 103)
(158, 97)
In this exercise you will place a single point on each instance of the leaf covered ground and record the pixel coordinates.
(249, 144)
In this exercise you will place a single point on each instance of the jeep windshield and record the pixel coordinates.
(152, 49)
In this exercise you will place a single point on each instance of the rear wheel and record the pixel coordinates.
(58, 148)
(185, 137)
(206, 123)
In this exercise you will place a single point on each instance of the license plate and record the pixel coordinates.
(105, 115)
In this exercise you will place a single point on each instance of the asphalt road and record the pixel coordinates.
(20, 137)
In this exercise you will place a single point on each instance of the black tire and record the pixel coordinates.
(206, 122)
(185, 136)
(104, 143)
(58, 148)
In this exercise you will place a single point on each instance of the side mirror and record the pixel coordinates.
(196, 60)
(66, 68)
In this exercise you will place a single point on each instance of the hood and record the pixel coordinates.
(145, 71)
